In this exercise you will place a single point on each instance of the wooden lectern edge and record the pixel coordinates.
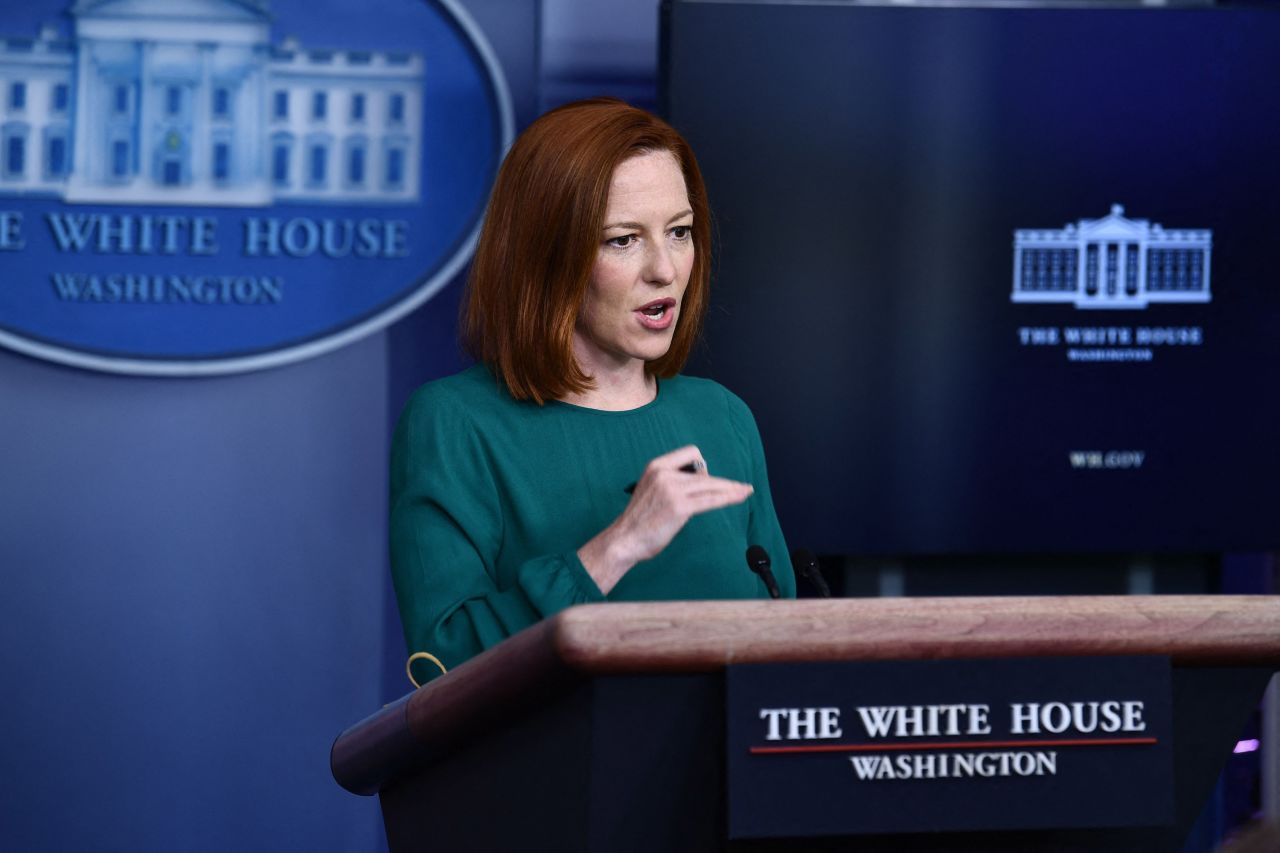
(448, 710)
(705, 636)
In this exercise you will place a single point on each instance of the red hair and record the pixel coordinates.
(540, 238)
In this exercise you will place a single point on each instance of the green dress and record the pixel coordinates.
(492, 497)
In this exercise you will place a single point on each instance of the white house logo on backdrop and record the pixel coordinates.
(188, 102)
(210, 186)
(1112, 262)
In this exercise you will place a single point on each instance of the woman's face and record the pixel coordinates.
(642, 267)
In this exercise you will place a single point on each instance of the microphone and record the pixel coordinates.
(806, 565)
(758, 562)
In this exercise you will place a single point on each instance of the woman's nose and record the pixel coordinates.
(660, 267)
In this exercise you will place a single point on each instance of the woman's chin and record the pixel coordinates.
(621, 351)
(653, 351)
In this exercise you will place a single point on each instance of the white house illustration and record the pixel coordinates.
(188, 102)
(1112, 262)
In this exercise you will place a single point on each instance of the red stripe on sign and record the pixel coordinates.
(968, 744)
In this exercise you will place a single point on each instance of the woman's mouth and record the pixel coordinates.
(658, 314)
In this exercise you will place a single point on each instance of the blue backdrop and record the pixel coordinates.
(196, 598)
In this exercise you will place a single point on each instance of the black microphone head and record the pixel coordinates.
(803, 559)
(758, 560)
(806, 566)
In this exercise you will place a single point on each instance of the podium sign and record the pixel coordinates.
(932, 746)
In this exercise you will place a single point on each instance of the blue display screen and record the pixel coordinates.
(995, 279)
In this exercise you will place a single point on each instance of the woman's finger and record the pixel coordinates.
(679, 458)
(709, 483)
(730, 490)
(717, 499)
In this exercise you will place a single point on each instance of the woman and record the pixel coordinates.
(511, 493)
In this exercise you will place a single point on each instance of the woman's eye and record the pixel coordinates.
(682, 232)
(623, 242)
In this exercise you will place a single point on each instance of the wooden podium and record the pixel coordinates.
(603, 727)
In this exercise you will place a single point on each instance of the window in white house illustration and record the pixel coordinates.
(1112, 262)
(281, 146)
(174, 100)
(356, 157)
(394, 176)
(221, 159)
(55, 158)
(14, 135)
(120, 159)
(317, 161)
(194, 102)
(222, 103)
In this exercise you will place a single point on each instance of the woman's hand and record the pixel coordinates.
(665, 498)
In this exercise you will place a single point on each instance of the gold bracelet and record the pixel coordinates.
(408, 665)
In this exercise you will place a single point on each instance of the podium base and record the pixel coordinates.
(636, 763)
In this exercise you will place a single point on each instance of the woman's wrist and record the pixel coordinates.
(606, 558)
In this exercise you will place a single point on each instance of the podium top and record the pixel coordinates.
(699, 636)
(704, 636)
